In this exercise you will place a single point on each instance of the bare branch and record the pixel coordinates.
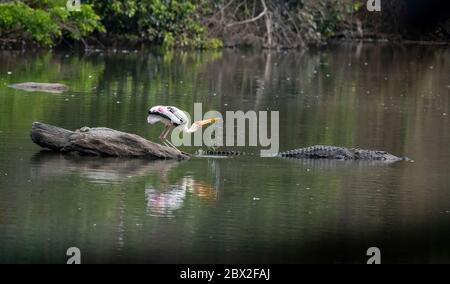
(264, 12)
(268, 25)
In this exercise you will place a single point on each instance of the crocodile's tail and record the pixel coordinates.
(224, 152)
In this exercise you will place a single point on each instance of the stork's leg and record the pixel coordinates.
(164, 134)
(165, 143)
(161, 136)
(167, 140)
(172, 146)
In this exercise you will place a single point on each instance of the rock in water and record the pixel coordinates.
(100, 141)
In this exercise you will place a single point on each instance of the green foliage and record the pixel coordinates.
(77, 25)
(45, 22)
(203, 24)
(328, 15)
(171, 23)
(19, 20)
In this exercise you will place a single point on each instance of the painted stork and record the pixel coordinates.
(173, 117)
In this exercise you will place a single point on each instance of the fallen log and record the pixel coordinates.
(100, 141)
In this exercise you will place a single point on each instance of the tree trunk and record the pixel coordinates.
(100, 141)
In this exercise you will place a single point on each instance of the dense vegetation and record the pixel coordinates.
(46, 22)
(212, 23)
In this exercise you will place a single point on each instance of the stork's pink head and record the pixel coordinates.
(157, 109)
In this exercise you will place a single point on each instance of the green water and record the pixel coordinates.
(241, 209)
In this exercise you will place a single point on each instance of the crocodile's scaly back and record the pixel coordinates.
(339, 153)
(317, 152)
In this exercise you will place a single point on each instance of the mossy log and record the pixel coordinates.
(100, 141)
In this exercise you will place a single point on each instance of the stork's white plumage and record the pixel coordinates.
(172, 117)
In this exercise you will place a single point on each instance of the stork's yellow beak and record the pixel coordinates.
(208, 121)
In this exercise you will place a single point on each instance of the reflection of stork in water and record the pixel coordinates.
(164, 203)
(173, 117)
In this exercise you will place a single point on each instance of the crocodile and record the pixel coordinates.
(319, 152)
(41, 87)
